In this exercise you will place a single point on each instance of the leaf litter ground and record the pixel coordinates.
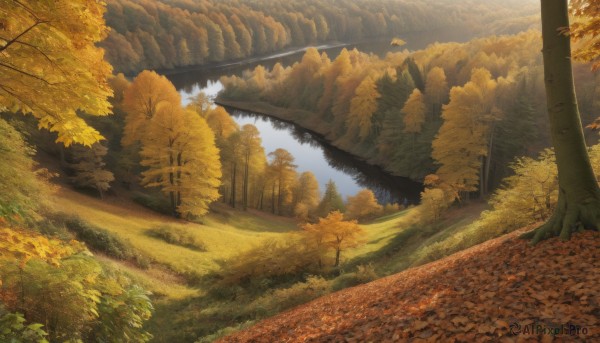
(500, 291)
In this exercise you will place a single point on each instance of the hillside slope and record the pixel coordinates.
(478, 295)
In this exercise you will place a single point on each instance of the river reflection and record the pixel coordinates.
(313, 153)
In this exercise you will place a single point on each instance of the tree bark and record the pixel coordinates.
(233, 185)
(579, 196)
(245, 185)
(337, 257)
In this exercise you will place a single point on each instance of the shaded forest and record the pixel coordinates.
(167, 34)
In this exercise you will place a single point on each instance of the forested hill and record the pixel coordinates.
(163, 34)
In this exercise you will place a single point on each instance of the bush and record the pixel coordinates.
(363, 274)
(300, 293)
(389, 209)
(274, 262)
(177, 236)
(60, 284)
(99, 239)
(13, 328)
(155, 202)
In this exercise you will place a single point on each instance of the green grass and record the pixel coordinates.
(225, 233)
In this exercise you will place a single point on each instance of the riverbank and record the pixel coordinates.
(215, 66)
(337, 157)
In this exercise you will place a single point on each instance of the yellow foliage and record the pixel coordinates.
(148, 94)
(462, 140)
(182, 159)
(25, 245)
(333, 233)
(586, 31)
(433, 203)
(50, 66)
(362, 107)
(414, 112)
(363, 205)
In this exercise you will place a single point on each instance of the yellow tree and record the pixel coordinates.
(50, 66)
(231, 157)
(436, 90)
(182, 160)
(221, 123)
(362, 107)
(148, 94)
(340, 66)
(253, 156)
(306, 195)
(414, 112)
(333, 233)
(363, 205)
(284, 171)
(461, 142)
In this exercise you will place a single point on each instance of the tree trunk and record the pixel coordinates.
(279, 198)
(579, 196)
(233, 185)
(172, 184)
(488, 161)
(245, 185)
(337, 257)
(179, 165)
(273, 198)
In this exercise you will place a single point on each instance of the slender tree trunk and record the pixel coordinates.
(179, 165)
(488, 161)
(579, 196)
(172, 184)
(279, 199)
(245, 186)
(273, 198)
(337, 257)
(482, 178)
(233, 185)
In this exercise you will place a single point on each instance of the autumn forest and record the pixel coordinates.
(302, 170)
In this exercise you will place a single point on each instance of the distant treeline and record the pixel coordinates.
(460, 110)
(162, 34)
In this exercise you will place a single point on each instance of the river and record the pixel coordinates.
(310, 151)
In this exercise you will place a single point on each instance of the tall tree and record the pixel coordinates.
(362, 107)
(50, 66)
(306, 196)
(436, 90)
(180, 153)
(231, 153)
(253, 156)
(461, 143)
(148, 94)
(284, 170)
(579, 195)
(414, 112)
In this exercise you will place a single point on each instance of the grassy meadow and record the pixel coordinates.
(185, 309)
